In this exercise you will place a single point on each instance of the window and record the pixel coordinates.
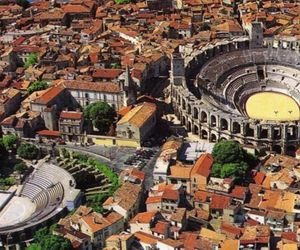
(105, 98)
(86, 95)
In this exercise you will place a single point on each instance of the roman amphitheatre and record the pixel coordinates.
(45, 196)
(243, 89)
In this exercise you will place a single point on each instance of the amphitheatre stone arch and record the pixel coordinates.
(227, 74)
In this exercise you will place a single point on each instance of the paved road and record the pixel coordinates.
(114, 157)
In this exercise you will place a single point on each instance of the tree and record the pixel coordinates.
(28, 151)
(9, 141)
(44, 239)
(31, 59)
(38, 85)
(101, 114)
(122, 1)
(9, 181)
(34, 247)
(23, 3)
(227, 152)
(20, 167)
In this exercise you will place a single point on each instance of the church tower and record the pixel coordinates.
(129, 89)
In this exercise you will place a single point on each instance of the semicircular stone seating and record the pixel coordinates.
(46, 186)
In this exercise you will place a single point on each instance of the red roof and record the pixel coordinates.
(52, 133)
(161, 227)
(289, 236)
(71, 115)
(239, 192)
(70, 8)
(219, 202)
(153, 199)
(170, 194)
(49, 95)
(228, 228)
(138, 174)
(107, 73)
(259, 178)
(201, 196)
(145, 217)
(19, 40)
(203, 165)
(124, 110)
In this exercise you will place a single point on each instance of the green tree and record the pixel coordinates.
(23, 3)
(9, 141)
(20, 167)
(38, 85)
(236, 171)
(31, 59)
(102, 115)
(227, 152)
(34, 247)
(44, 239)
(122, 1)
(9, 181)
(28, 151)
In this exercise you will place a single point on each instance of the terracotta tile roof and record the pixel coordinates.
(124, 110)
(219, 202)
(180, 172)
(178, 215)
(229, 244)
(283, 160)
(269, 200)
(107, 73)
(259, 178)
(202, 196)
(153, 199)
(122, 198)
(291, 236)
(203, 165)
(138, 174)
(171, 144)
(97, 222)
(49, 133)
(71, 115)
(199, 214)
(72, 8)
(239, 192)
(92, 86)
(161, 227)
(169, 194)
(49, 95)
(231, 229)
(212, 235)
(138, 115)
(145, 217)
(26, 48)
(192, 241)
(256, 234)
(146, 238)
(176, 244)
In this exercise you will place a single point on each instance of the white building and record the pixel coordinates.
(85, 92)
